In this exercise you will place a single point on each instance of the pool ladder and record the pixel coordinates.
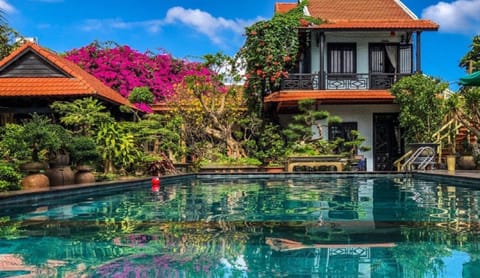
(421, 158)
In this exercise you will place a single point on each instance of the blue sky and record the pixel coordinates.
(191, 28)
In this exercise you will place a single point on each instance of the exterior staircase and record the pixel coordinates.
(450, 139)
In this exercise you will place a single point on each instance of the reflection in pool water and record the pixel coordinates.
(338, 227)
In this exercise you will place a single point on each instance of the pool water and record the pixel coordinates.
(380, 226)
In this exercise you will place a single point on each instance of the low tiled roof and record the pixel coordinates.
(78, 84)
(362, 14)
(284, 7)
(332, 96)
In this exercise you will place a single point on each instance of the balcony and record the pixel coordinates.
(340, 81)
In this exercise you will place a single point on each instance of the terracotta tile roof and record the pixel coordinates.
(363, 14)
(284, 7)
(79, 84)
(337, 96)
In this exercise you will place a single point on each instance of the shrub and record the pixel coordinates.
(9, 178)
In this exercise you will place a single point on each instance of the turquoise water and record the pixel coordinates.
(315, 227)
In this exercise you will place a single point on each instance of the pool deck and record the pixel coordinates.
(473, 174)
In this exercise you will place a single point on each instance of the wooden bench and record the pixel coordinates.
(330, 162)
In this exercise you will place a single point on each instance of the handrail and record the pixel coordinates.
(426, 160)
(446, 133)
(398, 162)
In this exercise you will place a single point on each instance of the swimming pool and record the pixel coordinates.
(234, 226)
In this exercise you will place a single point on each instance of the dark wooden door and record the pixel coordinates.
(387, 141)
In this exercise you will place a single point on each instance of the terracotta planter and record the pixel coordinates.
(84, 174)
(467, 162)
(274, 169)
(35, 181)
(62, 175)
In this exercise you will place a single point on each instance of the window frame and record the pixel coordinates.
(342, 47)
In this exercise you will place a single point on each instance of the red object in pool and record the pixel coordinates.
(155, 184)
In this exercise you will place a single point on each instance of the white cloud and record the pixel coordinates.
(215, 28)
(204, 22)
(460, 16)
(6, 7)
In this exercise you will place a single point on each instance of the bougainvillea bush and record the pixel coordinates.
(124, 69)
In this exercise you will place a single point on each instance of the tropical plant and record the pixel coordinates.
(9, 39)
(84, 115)
(471, 60)
(117, 147)
(270, 51)
(422, 106)
(465, 103)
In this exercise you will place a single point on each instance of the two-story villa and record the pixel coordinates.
(348, 65)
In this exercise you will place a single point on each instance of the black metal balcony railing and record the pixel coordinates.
(342, 81)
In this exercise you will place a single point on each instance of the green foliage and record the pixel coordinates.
(270, 51)
(9, 177)
(472, 58)
(83, 150)
(422, 106)
(12, 147)
(141, 95)
(349, 148)
(163, 132)
(117, 147)
(83, 115)
(9, 229)
(8, 41)
(270, 146)
(299, 132)
(33, 140)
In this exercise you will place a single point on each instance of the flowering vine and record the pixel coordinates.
(270, 51)
(123, 68)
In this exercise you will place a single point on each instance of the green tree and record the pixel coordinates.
(471, 60)
(422, 106)
(210, 108)
(9, 38)
(465, 103)
(83, 115)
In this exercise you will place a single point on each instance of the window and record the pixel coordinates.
(342, 58)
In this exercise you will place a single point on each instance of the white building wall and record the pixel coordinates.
(361, 114)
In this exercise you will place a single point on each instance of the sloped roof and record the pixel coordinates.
(65, 78)
(287, 98)
(362, 14)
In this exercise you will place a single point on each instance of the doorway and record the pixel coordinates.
(387, 141)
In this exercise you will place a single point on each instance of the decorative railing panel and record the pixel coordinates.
(346, 82)
(301, 81)
(335, 81)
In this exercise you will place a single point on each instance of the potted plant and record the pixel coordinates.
(84, 155)
(467, 161)
(30, 144)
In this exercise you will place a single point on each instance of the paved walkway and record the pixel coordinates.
(475, 174)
